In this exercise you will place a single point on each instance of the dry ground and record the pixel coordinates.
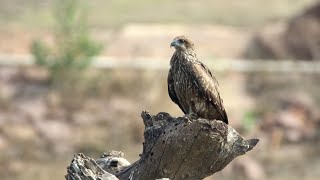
(40, 131)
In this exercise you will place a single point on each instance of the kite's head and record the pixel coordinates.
(181, 43)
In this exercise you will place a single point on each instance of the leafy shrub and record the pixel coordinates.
(71, 53)
(73, 47)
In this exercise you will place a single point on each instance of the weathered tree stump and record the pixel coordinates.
(174, 148)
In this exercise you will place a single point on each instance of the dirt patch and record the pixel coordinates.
(139, 40)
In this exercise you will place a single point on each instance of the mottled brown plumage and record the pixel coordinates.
(191, 85)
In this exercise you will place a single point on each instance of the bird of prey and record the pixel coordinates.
(191, 84)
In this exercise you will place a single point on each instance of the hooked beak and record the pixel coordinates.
(173, 44)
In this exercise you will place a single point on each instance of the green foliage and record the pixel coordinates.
(249, 121)
(73, 47)
(70, 54)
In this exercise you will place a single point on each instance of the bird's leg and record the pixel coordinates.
(191, 114)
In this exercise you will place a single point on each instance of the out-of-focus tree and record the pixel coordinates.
(72, 50)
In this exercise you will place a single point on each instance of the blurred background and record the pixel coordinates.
(75, 76)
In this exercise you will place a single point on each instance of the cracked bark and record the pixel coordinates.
(174, 148)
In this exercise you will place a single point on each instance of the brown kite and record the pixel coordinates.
(191, 85)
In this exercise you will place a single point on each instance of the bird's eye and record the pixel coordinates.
(180, 41)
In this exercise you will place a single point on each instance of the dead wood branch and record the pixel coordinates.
(174, 148)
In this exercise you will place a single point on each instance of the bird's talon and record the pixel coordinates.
(191, 116)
